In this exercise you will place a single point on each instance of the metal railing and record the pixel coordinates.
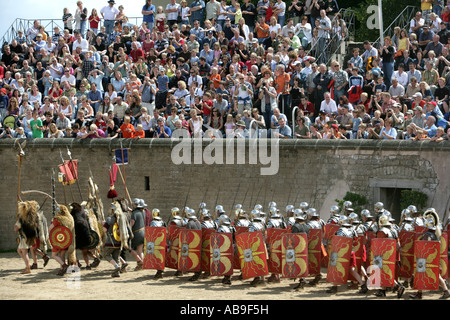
(333, 45)
(403, 20)
(49, 25)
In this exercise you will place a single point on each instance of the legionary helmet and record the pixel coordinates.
(272, 204)
(412, 209)
(344, 221)
(258, 207)
(353, 218)
(304, 206)
(205, 214)
(224, 220)
(347, 204)
(406, 215)
(155, 213)
(366, 213)
(175, 211)
(290, 209)
(378, 207)
(254, 214)
(298, 214)
(312, 213)
(136, 202)
(334, 210)
(219, 209)
(431, 218)
(384, 220)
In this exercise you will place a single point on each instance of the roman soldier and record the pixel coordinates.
(218, 213)
(176, 219)
(433, 233)
(417, 218)
(226, 227)
(157, 221)
(406, 221)
(258, 224)
(242, 218)
(315, 222)
(300, 226)
(304, 206)
(200, 208)
(290, 215)
(207, 221)
(347, 208)
(194, 224)
(334, 215)
(275, 222)
(346, 230)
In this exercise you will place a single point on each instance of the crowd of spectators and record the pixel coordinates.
(225, 67)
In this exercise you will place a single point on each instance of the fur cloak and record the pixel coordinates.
(82, 227)
(64, 217)
(123, 222)
(29, 220)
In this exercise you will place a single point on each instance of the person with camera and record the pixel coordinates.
(268, 97)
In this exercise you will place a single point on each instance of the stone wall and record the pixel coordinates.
(315, 171)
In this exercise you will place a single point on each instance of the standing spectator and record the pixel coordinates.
(94, 20)
(67, 20)
(109, 14)
(212, 9)
(323, 35)
(172, 12)
(148, 12)
(197, 11)
(387, 52)
(81, 16)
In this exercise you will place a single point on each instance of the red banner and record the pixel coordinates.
(426, 265)
(294, 255)
(444, 255)
(274, 240)
(155, 248)
(381, 272)
(189, 250)
(339, 259)
(221, 248)
(173, 233)
(252, 254)
(314, 251)
(206, 237)
(406, 239)
(69, 171)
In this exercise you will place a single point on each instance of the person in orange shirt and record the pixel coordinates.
(139, 133)
(282, 79)
(127, 129)
(215, 77)
(262, 29)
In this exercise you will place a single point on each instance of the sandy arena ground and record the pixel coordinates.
(43, 284)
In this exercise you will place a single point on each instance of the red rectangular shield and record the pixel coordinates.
(406, 239)
(221, 248)
(173, 233)
(382, 262)
(339, 259)
(206, 237)
(294, 257)
(420, 230)
(358, 248)
(274, 239)
(155, 248)
(314, 251)
(252, 254)
(426, 265)
(189, 250)
(240, 230)
(330, 230)
(444, 255)
(236, 261)
(69, 171)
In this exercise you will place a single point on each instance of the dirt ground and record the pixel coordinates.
(44, 284)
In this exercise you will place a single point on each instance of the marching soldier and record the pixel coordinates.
(275, 222)
(176, 219)
(406, 221)
(258, 224)
(200, 208)
(315, 222)
(207, 223)
(290, 215)
(299, 226)
(334, 215)
(304, 206)
(226, 227)
(417, 218)
(347, 208)
(346, 230)
(194, 224)
(433, 233)
(242, 218)
(218, 213)
(157, 221)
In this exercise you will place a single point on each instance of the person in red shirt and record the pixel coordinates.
(136, 52)
(94, 19)
(139, 133)
(127, 129)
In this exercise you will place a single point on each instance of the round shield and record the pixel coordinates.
(116, 232)
(60, 237)
(94, 240)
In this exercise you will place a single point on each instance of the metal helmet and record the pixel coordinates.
(224, 220)
(202, 205)
(254, 214)
(241, 214)
(412, 209)
(205, 214)
(378, 207)
(388, 213)
(298, 214)
(155, 213)
(272, 211)
(137, 202)
(431, 218)
(290, 208)
(185, 209)
(312, 212)
(347, 204)
(238, 206)
(219, 209)
(143, 204)
(304, 206)
(384, 220)
(334, 210)
(344, 221)
(272, 204)
(366, 213)
(262, 215)
(353, 218)
(258, 207)
(175, 211)
(405, 214)
(190, 212)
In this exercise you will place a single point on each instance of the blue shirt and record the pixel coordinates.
(149, 18)
(431, 130)
(197, 15)
(166, 129)
(163, 81)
